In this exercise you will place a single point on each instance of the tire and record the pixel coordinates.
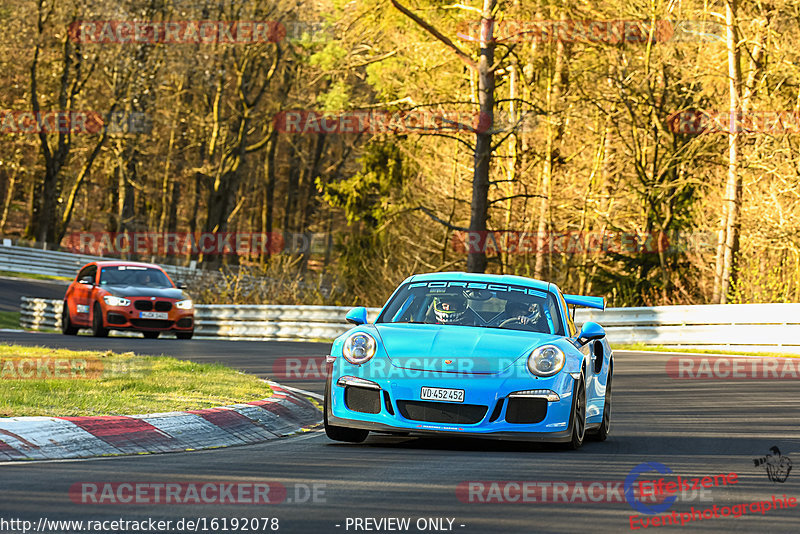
(67, 328)
(340, 433)
(98, 329)
(184, 335)
(151, 335)
(578, 417)
(601, 434)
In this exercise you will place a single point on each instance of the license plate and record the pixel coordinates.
(153, 315)
(442, 394)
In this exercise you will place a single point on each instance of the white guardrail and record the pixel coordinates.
(226, 321)
(54, 263)
(744, 327)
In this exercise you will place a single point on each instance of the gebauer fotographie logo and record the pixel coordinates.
(777, 466)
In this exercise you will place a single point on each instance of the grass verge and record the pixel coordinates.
(660, 348)
(31, 276)
(58, 382)
(9, 319)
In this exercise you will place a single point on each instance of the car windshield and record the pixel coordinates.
(477, 304)
(126, 275)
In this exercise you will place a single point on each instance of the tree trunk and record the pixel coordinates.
(165, 183)
(476, 260)
(269, 194)
(554, 128)
(728, 235)
(733, 190)
(291, 192)
(7, 199)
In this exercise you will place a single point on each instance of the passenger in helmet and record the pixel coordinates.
(526, 314)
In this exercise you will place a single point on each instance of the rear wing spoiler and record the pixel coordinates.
(598, 303)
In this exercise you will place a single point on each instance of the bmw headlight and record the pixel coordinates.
(359, 348)
(184, 304)
(546, 360)
(111, 300)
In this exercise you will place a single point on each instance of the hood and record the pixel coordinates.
(138, 291)
(469, 349)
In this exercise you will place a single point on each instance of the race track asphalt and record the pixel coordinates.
(696, 428)
(11, 289)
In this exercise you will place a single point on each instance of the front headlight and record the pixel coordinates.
(111, 300)
(546, 360)
(359, 348)
(184, 304)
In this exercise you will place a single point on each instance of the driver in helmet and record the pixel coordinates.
(528, 314)
(145, 279)
(453, 309)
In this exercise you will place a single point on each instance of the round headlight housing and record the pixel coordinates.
(359, 348)
(546, 360)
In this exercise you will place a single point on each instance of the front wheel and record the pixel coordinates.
(601, 434)
(184, 335)
(98, 330)
(578, 416)
(67, 328)
(340, 433)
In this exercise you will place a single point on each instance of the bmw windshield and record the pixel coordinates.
(127, 275)
(475, 304)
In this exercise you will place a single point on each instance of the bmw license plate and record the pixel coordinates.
(152, 315)
(442, 394)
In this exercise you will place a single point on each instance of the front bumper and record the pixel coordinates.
(492, 391)
(129, 318)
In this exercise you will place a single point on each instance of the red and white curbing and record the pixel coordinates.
(47, 438)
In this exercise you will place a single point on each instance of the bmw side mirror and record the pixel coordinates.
(357, 315)
(88, 280)
(591, 331)
(181, 285)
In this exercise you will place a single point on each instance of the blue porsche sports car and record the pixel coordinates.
(472, 355)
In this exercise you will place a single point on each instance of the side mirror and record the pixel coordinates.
(591, 331)
(88, 280)
(357, 315)
(181, 285)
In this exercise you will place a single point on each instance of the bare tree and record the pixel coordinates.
(482, 154)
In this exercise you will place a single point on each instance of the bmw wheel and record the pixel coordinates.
(67, 328)
(98, 330)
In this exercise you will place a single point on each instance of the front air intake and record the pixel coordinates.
(442, 412)
(362, 399)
